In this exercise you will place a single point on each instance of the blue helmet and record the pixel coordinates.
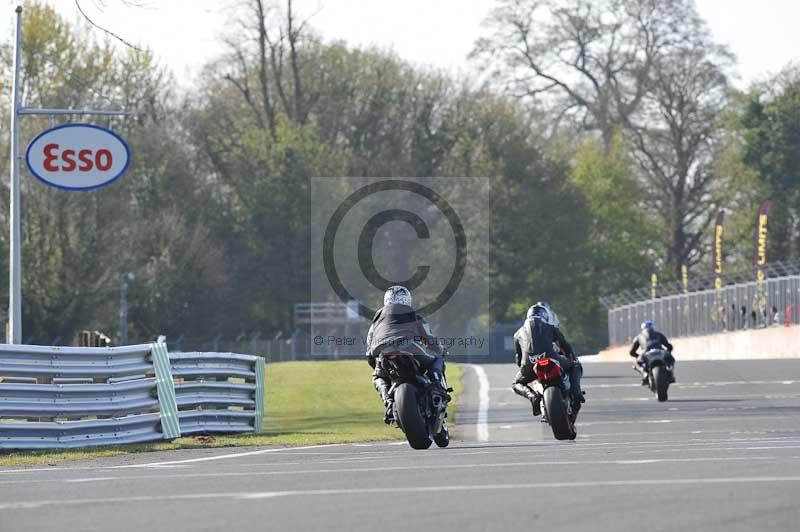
(647, 325)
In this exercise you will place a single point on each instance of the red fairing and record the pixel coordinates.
(547, 370)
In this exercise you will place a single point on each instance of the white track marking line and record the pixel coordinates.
(26, 505)
(761, 437)
(707, 384)
(652, 446)
(697, 384)
(483, 403)
(39, 469)
(224, 456)
(722, 449)
(676, 420)
(385, 469)
(763, 433)
(56, 469)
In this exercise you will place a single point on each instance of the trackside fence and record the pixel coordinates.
(772, 302)
(68, 397)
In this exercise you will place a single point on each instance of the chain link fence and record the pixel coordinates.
(772, 302)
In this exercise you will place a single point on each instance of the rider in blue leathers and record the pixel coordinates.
(650, 339)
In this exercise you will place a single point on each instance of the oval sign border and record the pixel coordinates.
(78, 124)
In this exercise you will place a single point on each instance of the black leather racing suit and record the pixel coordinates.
(537, 336)
(649, 341)
(401, 324)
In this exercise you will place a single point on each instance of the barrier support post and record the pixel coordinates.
(167, 403)
(261, 377)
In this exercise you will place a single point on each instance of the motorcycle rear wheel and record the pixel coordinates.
(557, 414)
(661, 382)
(409, 418)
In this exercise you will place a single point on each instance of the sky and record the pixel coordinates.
(184, 34)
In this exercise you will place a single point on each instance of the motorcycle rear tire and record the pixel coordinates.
(556, 409)
(409, 418)
(661, 379)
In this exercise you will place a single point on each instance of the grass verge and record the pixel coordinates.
(306, 403)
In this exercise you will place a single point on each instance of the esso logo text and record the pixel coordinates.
(77, 156)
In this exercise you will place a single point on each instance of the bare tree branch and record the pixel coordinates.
(107, 31)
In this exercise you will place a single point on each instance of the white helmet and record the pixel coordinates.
(540, 311)
(544, 312)
(554, 319)
(397, 295)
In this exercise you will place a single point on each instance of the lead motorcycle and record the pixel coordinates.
(658, 371)
(420, 405)
(553, 384)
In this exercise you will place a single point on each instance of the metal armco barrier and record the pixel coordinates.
(68, 397)
(204, 393)
(772, 302)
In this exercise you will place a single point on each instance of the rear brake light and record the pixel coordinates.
(546, 370)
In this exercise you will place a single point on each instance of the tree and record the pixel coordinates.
(745, 191)
(263, 178)
(770, 125)
(75, 245)
(589, 58)
(538, 224)
(101, 4)
(620, 231)
(270, 76)
(676, 140)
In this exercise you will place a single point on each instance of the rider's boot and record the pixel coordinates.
(536, 405)
(388, 402)
(577, 400)
(533, 397)
(645, 375)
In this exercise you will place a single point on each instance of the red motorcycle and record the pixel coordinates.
(553, 384)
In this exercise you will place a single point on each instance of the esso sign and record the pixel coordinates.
(77, 156)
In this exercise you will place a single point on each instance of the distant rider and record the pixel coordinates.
(540, 334)
(397, 323)
(650, 339)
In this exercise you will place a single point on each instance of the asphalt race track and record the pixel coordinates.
(723, 454)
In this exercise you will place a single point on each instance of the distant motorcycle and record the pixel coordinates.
(553, 384)
(420, 405)
(658, 371)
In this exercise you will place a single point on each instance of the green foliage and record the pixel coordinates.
(743, 194)
(621, 230)
(617, 252)
(539, 225)
(214, 216)
(151, 223)
(771, 131)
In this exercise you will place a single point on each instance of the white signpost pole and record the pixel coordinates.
(14, 333)
(15, 263)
